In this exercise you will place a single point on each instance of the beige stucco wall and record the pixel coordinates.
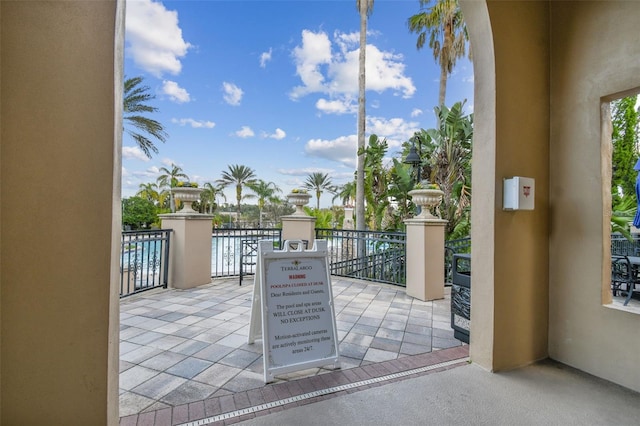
(542, 73)
(595, 53)
(57, 185)
(509, 249)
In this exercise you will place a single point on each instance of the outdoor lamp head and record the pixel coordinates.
(413, 157)
(637, 166)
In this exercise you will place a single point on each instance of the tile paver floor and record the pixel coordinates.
(179, 347)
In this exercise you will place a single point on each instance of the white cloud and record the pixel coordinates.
(305, 171)
(154, 37)
(142, 175)
(232, 93)
(168, 162)
(342, 149)
(265, 57)
(245, 132)
(315, 51)
(395, 130)
(416, 112)
(337, 106)
(196, 124)
(278, 134)
(133, 152)
(332, 69)
(176, 93)
(468, 79)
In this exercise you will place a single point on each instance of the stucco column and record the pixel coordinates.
(425, 258)
(190, 249)
(298, 227)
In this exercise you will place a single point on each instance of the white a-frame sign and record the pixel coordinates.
(292, 298)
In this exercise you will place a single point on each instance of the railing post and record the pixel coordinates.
(190, 250)
(299, 227)
(425, 257)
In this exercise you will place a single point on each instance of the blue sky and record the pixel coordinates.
(272, 85)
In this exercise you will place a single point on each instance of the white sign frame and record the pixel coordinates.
(293, 301)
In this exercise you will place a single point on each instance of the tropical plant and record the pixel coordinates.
(135, 104)
(624, 137)
(375, 181)
(319, 182)
(138, 212)
(170, 178)
(265, 191)
(400, 183)
(623, 211)
(444, 26)
(239, 176)
(448, 161)
(365, 8)
(324, 217)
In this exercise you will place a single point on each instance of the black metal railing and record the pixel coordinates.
(144, 260)
(234, 251)
(621, 246)
(451, 247)
(368, 255)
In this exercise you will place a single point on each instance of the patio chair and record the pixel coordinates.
(623, 277)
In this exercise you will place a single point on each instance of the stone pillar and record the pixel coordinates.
(425, 258)
(190, 249)
(298, 227)
(347, 223)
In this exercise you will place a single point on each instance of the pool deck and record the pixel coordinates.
(184, 354)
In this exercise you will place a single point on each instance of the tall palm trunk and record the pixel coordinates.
(360, 225)
(238, 199)
(444, 62)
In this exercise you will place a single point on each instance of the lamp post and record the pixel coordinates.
(413, 158)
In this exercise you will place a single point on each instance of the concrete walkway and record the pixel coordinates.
(543, 394)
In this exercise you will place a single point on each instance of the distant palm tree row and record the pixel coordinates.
(161, 192)
(445, 153)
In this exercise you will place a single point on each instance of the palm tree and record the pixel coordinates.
(346, 193)
(264, 191)
(365, 8)
(170, 178)
(208, 196)
(319, 182)
(134, 106)
(444, 25)
(239, 176)
(375, 181)
(150, 192)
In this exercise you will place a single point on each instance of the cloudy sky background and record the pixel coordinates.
(273, 85)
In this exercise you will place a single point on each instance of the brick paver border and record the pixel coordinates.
(274, 392)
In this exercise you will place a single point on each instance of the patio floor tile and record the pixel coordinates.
(379, 355)
(189, 367)
(163, 360)
(184, 353)
(188, 392)
(159, 385)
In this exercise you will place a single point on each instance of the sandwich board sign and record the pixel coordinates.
(292, 308)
